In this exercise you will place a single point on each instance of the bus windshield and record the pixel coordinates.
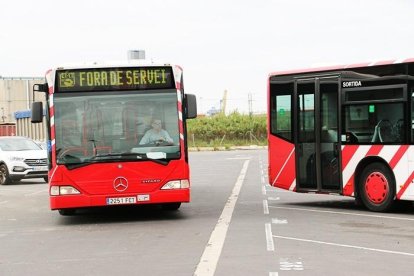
(116, 126)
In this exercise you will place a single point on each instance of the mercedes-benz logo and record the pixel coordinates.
(120, 184)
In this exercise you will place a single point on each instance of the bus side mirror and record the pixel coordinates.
(191, 107)
(37, 112)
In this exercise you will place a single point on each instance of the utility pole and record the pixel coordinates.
(250, 100)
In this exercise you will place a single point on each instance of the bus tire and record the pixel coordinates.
(67, 212)
(171, 206)
(377, 187)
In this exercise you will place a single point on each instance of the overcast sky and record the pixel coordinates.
(221, 45)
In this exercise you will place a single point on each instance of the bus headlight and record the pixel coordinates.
(176, 184)
(63, 190)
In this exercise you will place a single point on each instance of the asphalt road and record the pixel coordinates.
(235, 225)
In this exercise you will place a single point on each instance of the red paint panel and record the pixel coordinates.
(406, 184)
(374, 150)
(282, 171)
(398, 155)
(347, 153)
(349, 186)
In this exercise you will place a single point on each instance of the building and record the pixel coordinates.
(16, 98)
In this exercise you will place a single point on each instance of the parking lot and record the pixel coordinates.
(236, 224)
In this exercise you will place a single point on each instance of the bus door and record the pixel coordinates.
(317, 135)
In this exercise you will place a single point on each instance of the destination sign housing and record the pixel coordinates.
(106, 79)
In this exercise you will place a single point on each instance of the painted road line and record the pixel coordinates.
(273, 198)
(347, 245)
(265, 207)
(209, 259)
(279, 221)
(263, 190)
(273, 273)
(342, 213)
(269, 237)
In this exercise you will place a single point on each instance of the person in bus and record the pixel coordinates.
(156, 134)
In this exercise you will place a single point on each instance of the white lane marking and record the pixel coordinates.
(263, 180)
(342, 213)
(346, 245)
(286, 264)
(273, 198)
(263, 190)
(273, 273)
(279, 221)
(209, 259)
(265, 207)
(269, 237)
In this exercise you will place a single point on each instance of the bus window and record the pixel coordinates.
(375, 123)
(281, 115)
(412, 116)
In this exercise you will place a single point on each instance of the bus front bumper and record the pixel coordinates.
(82, 200)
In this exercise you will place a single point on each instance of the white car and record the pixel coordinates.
(20, 158)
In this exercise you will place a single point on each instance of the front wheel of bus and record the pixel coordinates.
(67, 212)
(171, 206)
(377, 187)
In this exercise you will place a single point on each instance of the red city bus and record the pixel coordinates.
(346, 130)
(117, 135)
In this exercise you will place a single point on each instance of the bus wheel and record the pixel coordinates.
(4, 175)
(377, 187)
(171, 206)
(67, 212)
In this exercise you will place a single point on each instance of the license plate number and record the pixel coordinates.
(40, 168)
(121, 200)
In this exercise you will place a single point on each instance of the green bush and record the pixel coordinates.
(233, 130)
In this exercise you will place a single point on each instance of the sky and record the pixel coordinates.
(220, 44)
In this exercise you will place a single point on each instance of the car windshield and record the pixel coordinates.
(18, 144)
(114, 126)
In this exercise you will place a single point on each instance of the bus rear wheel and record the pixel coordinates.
(377, 187)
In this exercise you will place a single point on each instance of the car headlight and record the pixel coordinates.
(16, 158)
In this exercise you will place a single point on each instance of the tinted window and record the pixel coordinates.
(281, 110)
(380, 123)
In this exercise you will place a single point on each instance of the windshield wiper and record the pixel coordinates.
(120, 156)
(128, 155)
(110, 157)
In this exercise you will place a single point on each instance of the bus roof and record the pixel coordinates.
(340, 67)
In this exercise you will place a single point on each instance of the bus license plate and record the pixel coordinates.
(121, 200)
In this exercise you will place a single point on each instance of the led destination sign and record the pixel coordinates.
(104, 79)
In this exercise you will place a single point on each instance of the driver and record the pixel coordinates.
(156, 134)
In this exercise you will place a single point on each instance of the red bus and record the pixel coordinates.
(117, 135)
(346, 130)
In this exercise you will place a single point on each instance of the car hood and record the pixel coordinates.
(27, 154)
